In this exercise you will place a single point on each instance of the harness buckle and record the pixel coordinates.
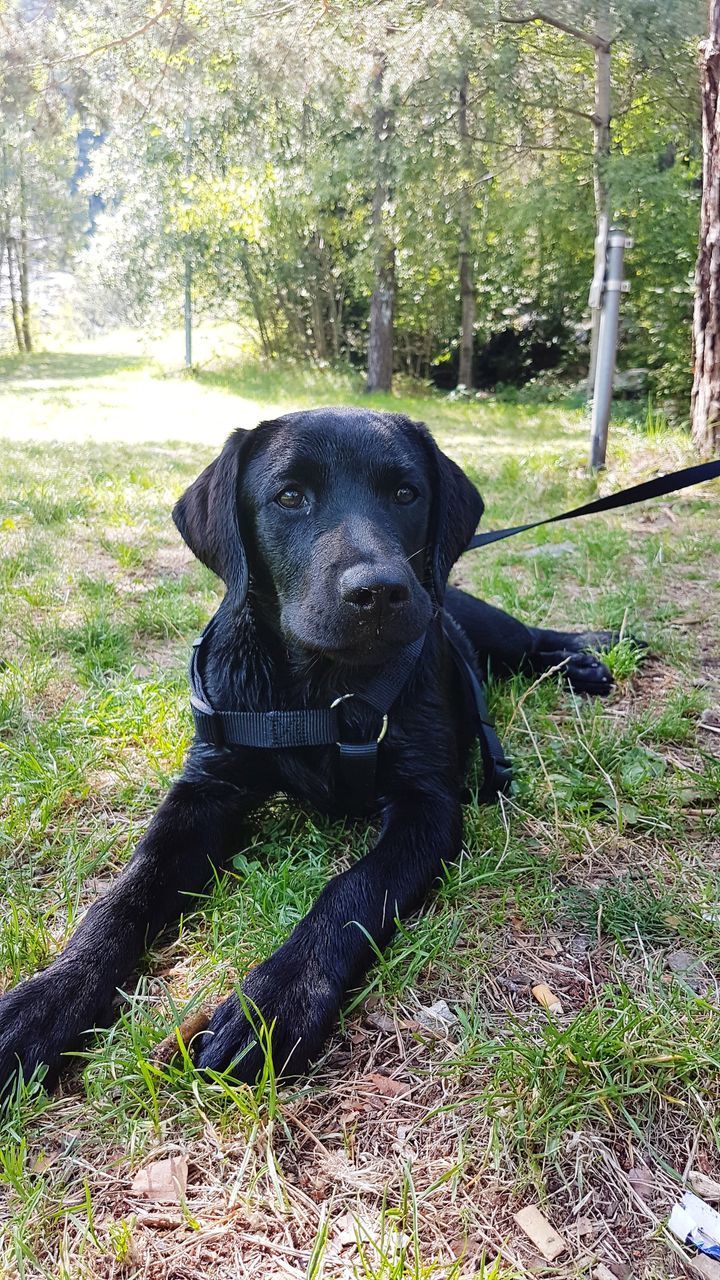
(344, 698)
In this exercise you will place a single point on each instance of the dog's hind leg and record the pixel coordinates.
(197, 827)
(504, 645)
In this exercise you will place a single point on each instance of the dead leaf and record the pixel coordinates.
(346, 1230)
(384, 1085)
(547, 998)
(706, 1188)
(163, 1180)
(640, 1179)
(543, 1235)
(381, 1022)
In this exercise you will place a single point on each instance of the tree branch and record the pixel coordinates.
(595, 42)
(567, 111)
(151, 22)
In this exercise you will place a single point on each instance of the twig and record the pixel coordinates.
(595, 42)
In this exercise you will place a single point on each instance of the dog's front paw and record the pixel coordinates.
(40, 1020)
(587, 674)
(286, 1010)
(595, 641)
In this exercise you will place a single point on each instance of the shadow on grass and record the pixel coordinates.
(278, 381)
(62, 366)
(281, 386)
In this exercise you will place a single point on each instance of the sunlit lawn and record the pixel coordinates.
(600, 878)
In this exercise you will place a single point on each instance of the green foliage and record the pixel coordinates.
(263, 182)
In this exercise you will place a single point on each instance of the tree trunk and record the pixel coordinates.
(467, 283)
(601, 153)
(382, 304)
(256, 304)
(706, 318)
(318, 312)
(14, 293)
(318, 324)
(24, 267)
(333, 307)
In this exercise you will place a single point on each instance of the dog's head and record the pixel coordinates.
(344, 524)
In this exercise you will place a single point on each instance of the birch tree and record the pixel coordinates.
(706, 319)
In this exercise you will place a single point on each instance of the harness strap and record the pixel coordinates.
(497, 769)
(357, 771)
(313, 727)
(309, 727)
(654, 488)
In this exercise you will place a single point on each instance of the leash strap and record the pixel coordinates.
(655, 488)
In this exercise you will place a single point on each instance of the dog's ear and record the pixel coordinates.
(207, 517)
(455, 514)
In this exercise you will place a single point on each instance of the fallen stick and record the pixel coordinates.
(167, 1049)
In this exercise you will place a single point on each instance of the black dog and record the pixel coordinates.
(334, 532)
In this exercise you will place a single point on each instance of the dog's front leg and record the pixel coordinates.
(296, 994)
(195, 828)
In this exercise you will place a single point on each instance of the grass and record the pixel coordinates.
(409, 1148)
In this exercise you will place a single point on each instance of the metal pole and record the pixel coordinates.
(595, 299)
(188, 264)
(607, 346)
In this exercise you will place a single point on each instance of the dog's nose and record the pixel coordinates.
(373, 591)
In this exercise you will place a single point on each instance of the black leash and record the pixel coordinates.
(656, 488)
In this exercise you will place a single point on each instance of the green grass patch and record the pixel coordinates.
(602, 863)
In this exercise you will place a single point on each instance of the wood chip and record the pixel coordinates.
(601, 1272)
(706, 1188)
(538, 1229)
(547, 998)
(197, 1021)
(164, 1181)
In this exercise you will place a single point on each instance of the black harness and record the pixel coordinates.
(322, 726)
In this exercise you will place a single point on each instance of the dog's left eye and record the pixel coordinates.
(291, 499)
(405, 494)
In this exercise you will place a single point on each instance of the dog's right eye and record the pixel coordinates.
(290, 499)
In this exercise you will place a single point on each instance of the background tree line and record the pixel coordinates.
(406, 186)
